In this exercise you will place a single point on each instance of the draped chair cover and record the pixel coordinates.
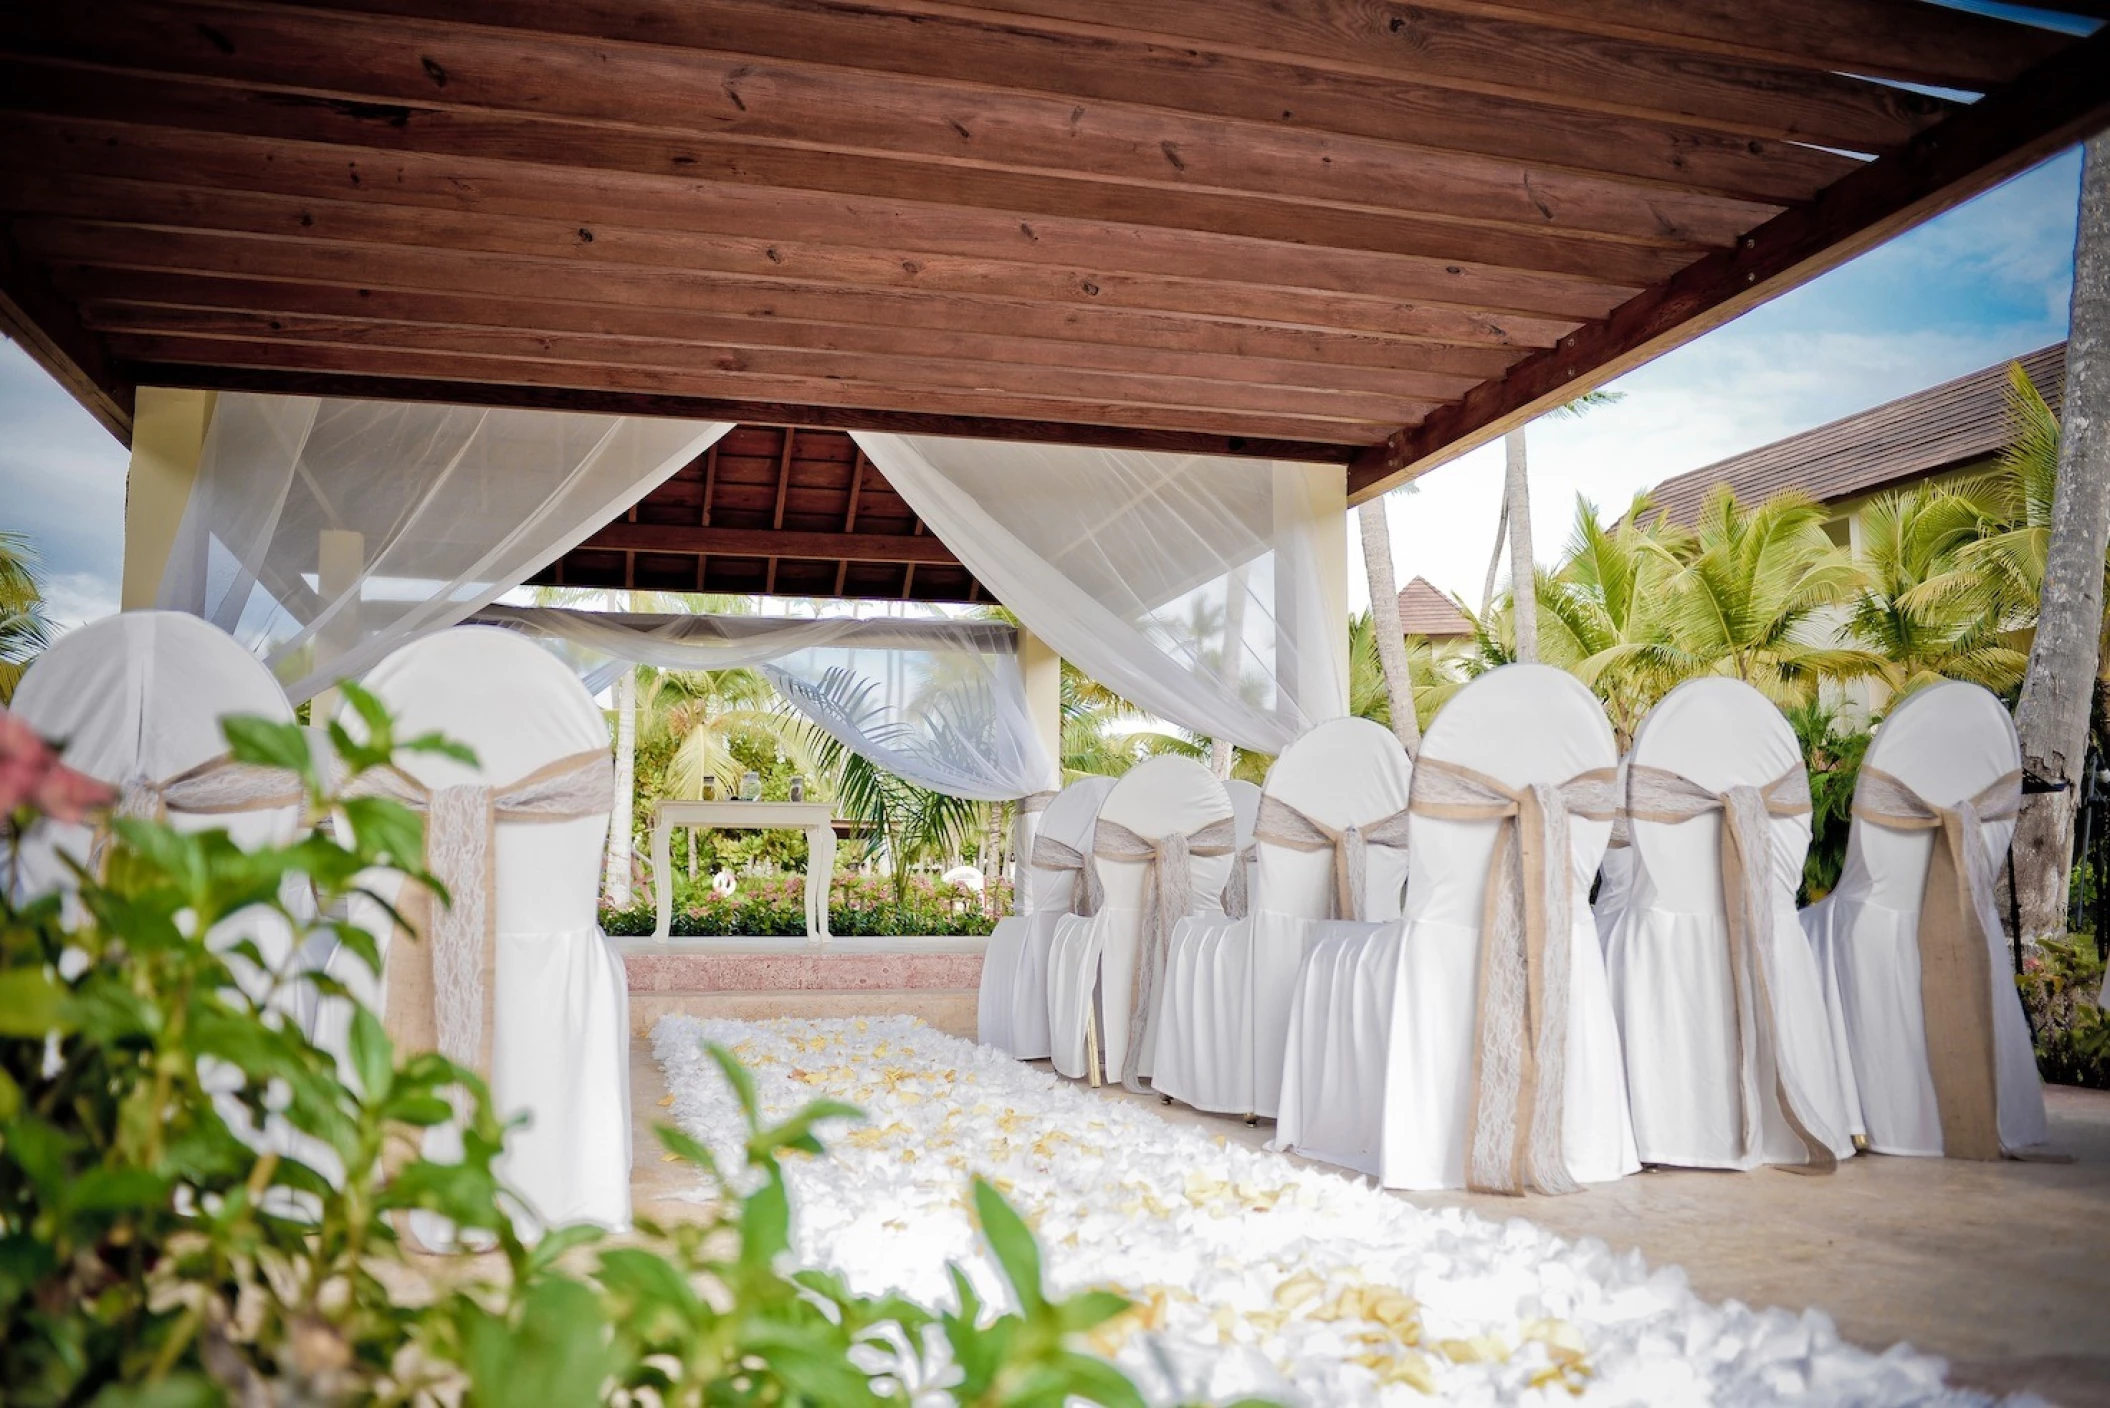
(1330, 843)
(1615, 873)
(1164, 846)
(523, 832)
(1500, 1064)
(1728, 1050)
(1933, 814)
(1055, 879)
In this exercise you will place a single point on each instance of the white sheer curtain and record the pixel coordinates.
(937, 700)
(1190, 585)
(324, 533)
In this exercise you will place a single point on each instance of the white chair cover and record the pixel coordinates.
(1415, 984)
(136, 700)
(1229, 987)
(1174, 807)
(1013, 1007)
(1712, 1045)
(1948, 743)
(559, 1015)
(1615, 874)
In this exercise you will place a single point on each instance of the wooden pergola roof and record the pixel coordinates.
(775, 511)
(1340, 230)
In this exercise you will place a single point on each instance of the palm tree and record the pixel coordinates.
(1750, 602)
(1432, 674)
(1910, 540)
(25, 631)
(1389, 639)
(1602, 598)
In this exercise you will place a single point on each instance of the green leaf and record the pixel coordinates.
(1011, 1241)
(373, 1055)
(1089, 1309)
(441, 745)
(175, 1391)
(765, 1222)
(385, 830)
(742, 1083)
(561, 1240)
(267, 743)
(693, 1150)
(31, 1003)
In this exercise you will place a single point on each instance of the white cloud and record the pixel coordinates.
(62, 482)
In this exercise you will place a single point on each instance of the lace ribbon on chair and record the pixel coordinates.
(1956, 922)
(216, 787)
(444, 1004)
(1051, 854)
(1168, 886)
(1520, 1040)
(1281, 824)
(1657, 794)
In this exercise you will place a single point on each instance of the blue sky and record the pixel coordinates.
(1987, 281)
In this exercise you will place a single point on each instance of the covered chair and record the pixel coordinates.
(1728, 1053)
(1615, 873)
(1330, 841)
(1054, 881)
(515, 979)
(1501, 1067)
(1910, 941)
(1164, 846)
(136, 701)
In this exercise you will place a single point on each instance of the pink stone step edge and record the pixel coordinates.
(782, 972)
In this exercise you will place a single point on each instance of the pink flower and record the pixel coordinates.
(32, 775)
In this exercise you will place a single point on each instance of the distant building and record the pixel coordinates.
(1425, 611)
(1946, 431)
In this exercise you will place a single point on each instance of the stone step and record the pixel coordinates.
(935, 979)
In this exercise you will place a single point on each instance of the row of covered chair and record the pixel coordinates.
(514, 979)
(1438, 1005)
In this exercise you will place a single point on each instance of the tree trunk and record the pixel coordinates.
(1384, 621)
(692, 854)
(1523, 570)
(1494, 559)
(619, 816)
(2052, 714)
(1222, 755)
(992, 837)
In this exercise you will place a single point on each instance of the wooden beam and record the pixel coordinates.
(2060, 101)
(1177, 43)
(152, 103)
(69, 243)
(738, 105)
(857, 488)
(43, 324)
(300, 382)
(770, 543)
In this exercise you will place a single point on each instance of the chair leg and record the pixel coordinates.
(1091, 1047)
(1252, 1121)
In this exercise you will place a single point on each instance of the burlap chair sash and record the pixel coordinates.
(1280, 824)
(1657, 794)
(1520, 1037)
(1051, 854)
(1168, 893)
(1958, 915)
(444, 1004)
(216, 787)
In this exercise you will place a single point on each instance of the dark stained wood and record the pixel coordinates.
(304, 382)
(1173, 39)
(44, 325)
(2064, 99)
(768, 543)
(722, 103)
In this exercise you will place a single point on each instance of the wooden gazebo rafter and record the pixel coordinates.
(1352, 231)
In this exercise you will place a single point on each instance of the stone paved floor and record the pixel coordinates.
(2003, 1268)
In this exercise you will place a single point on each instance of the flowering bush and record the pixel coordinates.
(155, 1253)
(775, 906)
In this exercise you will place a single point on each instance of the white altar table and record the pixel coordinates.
(816, 819)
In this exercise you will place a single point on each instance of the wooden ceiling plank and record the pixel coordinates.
(71, 243)
(153, 104)
(733, 365)
(786, 221)
(602, 246)
(49, 329)
(770, 543)
(791, 436)
(2058, 102)
(452, 373)
(1170, 41)
(730, 106)
(93, 288)
(710, 483)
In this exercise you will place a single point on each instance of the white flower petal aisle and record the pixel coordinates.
(1253, 1275)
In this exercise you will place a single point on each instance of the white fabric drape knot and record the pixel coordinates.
(216, 787)
(1514, 1141)
(1659, 795)
(1051, 854)
(1957, 919)
(1168, 892)
(444, 1004)
(1280, 824)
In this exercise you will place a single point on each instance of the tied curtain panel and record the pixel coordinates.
(1190, 585)
(324, 533)
(934, 699)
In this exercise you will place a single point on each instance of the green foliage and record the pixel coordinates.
(2061, 984)
(151, 1253)
(1831, 751)
(24, 629)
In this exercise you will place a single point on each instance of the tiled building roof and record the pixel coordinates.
(1425, 611)
(1924, 433)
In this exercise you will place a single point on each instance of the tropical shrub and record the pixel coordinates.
(2061, 983)
(155, 1252)
(1832, 750)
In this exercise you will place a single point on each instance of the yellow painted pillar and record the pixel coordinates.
(168, 434)
(1042, 669)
